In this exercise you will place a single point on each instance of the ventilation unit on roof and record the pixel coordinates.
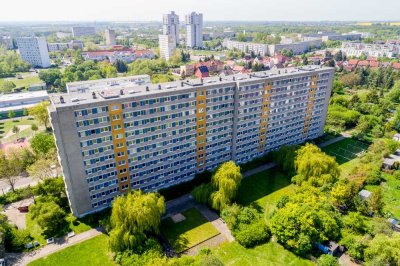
(74, 100)
(62, 99)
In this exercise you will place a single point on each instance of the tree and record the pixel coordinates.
(11, 114)
(6, 86)
(49, 216)
(343, 192)
(375, 202)
(15, 130)
(132, 217)
(10, 168)
(51, 77)
(285, 158)
(355, 222)
(315, 167)
(42, 144)
(307, 217)
(52, 189)
(41, 169)
(327, 260)
(225, 182)
(383, 250)
(121, 66)
(34, 128)
(40, 113)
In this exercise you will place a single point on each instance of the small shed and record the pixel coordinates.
(365, 194)
(330, 248)
(396, 137)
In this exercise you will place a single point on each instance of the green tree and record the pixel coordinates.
(315, 167)
(10, 167)
(41, 169)
(285, 158)
(11, 114)
(49, 216)
(225, 182)
(15, 130)
(307, 217)
(383, 250)
(40, 113)
(42, 144)
(6, 86)
(132, 217)
(375, 202)
(343, 192)
(355, 222)
(34, 127)
(51, 77)
(327, 260)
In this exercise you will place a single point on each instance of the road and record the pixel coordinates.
(21, 183)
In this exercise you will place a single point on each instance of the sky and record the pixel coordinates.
(213, 10)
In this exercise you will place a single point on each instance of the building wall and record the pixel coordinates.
(167, 46)
(169, 136)
(34, 51)
(83, 31)
(110, 37)
(171, 25)
(194, 30)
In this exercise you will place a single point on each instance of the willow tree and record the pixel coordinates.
(132, 217)
(225, 182)
(314, 166)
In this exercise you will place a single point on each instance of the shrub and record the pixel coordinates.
(327, 260)
(250, 235)
(17, 195)
(15, 240)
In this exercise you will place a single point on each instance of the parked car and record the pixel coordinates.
(23, 209)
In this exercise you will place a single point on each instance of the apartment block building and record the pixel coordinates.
(34, 51)
(158, 135)
(271, 49)
(110, 37)
(171, 25)
(370, 49)
(167, 45)
(79, 31)
(194, 30)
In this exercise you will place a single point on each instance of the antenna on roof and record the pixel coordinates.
(201, 80)
(233, 78)
(121, 92)
(182, 84)
(94, 95)
(147, 88)
(62, 99)
(159, 86)
(220, 78)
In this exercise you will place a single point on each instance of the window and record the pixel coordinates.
(115, 107)
(116, 117)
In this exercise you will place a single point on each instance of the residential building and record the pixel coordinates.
(247, 47)
(100, 84)
(110, 37)
(126, 55)
(79, 31)
(342, 37)
(157, 135)
(7, 42)
(194, 30)
(167, 46)
(17, 102)
(171, 25)
(202, 72)
(34, 51)
(370, 49)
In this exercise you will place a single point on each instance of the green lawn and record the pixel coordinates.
(27, 80)
(36, 231)
(391, 194)
(263, 190)
(188, 233)
(24, 123)
(92, 252)
(345, 150)
(271, 254)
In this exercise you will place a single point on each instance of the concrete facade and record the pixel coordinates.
(167, 46)
(155, 136)
(79, 31)
(171, 25)
(34, 51)
(194, 30)
(110, 37)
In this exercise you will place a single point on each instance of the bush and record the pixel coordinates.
(250, 235)
(15, 240)
(396, 174)
(327, 260)
(17, 195)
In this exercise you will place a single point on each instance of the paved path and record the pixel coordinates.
(21, 259)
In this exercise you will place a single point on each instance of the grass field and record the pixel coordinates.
(345, 150)
(27, 80)
(24, 123)
(271, 254)
(92, 252)
(264, 189)
(391, 194)
(36, 231)
(188, 233)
